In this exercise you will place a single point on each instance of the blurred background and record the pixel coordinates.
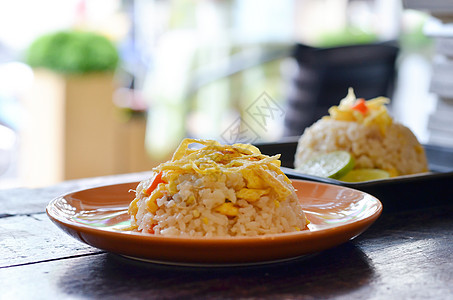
(148, 73)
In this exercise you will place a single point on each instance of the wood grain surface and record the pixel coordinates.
(406, 255)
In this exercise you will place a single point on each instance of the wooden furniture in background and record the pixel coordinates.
(72, 130)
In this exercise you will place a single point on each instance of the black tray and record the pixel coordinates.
(396, 194)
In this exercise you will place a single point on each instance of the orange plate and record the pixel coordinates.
(94, 216)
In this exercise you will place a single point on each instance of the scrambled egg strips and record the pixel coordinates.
(259, 172)
(370, 112)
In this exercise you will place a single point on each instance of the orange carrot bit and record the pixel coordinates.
(158, 179)
(360, 106)
(151, 229)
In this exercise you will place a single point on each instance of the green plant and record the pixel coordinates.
(73, 52)
(344, 37)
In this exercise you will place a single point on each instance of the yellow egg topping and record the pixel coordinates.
(260, 173)
(369, 112)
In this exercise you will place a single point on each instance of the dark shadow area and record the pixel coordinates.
(333, 272)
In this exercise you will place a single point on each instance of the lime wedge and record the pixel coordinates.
(365, 175)
(332, 165)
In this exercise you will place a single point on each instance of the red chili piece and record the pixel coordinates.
(360, 106)
(155, 183)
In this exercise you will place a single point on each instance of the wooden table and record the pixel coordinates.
(404, 255)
